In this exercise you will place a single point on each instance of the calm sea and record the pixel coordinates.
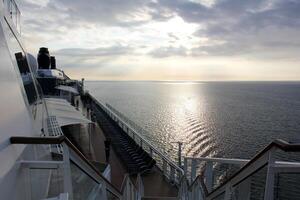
(225, 119)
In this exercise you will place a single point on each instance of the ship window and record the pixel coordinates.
(13, 13)
(26, 77)
(22, 64)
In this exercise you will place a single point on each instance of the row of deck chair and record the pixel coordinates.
(135, 159)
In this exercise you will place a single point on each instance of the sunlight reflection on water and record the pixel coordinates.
(212, 119)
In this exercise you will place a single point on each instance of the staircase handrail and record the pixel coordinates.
(60, 140)
(276, 144)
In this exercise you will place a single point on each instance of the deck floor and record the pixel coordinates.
(155, 184)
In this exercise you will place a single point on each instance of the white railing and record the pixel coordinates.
(194, 166)
(132, 191)
(168, 167)
(72, 173)
(252, 179)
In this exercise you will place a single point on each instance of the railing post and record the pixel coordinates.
(151, 152)
(193, 173)
(164, 167)
(179, 154)
(228, 192)
(172, 173)
(140, 186)
(67, 171)
(269, 189)
(209, 175)
(103, 191)
(185, 165)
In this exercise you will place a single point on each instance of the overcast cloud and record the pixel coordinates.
(135, 35)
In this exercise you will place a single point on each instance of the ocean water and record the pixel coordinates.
(224, 119)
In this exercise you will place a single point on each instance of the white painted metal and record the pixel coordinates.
(193, 173)
(18, 117)
(41, 164)
(269, 189)
(67, 171)
(68, 89)
(64, 112)
(234, 161)
(208, 175)
(140, 187)
(239, 186)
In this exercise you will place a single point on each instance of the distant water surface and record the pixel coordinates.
(225, 119)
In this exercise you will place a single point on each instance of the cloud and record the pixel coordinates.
(100, 33)
(163, 52)
(242, 27)
(115, 51)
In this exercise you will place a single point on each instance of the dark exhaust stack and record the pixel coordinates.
(43, 58)
(52, 62)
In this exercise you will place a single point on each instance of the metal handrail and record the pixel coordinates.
(198, 189)
(60, 140)
(279, 144)
(236, 161)
(153, 148)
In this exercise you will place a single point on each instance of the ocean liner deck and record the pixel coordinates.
(52, 143)
(93, 147)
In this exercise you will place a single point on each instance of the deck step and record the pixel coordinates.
(157, 198)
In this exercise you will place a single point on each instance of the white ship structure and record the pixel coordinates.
(57, 142)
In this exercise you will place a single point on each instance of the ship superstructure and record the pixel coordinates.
(58, 142)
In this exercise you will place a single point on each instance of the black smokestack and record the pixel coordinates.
(53, 62)
(44, 58)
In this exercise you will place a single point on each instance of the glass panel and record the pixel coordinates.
(38, 175)
(287, 186)
(221, 172)
(45, 183)
(84, 187)
(26, 77)
(21, 63)
(13, 11)
(253, 187)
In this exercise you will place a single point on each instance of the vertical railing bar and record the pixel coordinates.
(209, 175)
(269, 188)
(193, 173)
(67, 171)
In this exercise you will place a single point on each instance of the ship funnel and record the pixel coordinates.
(53, 62)
(43, 58)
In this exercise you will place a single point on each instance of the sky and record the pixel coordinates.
(195, 40)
